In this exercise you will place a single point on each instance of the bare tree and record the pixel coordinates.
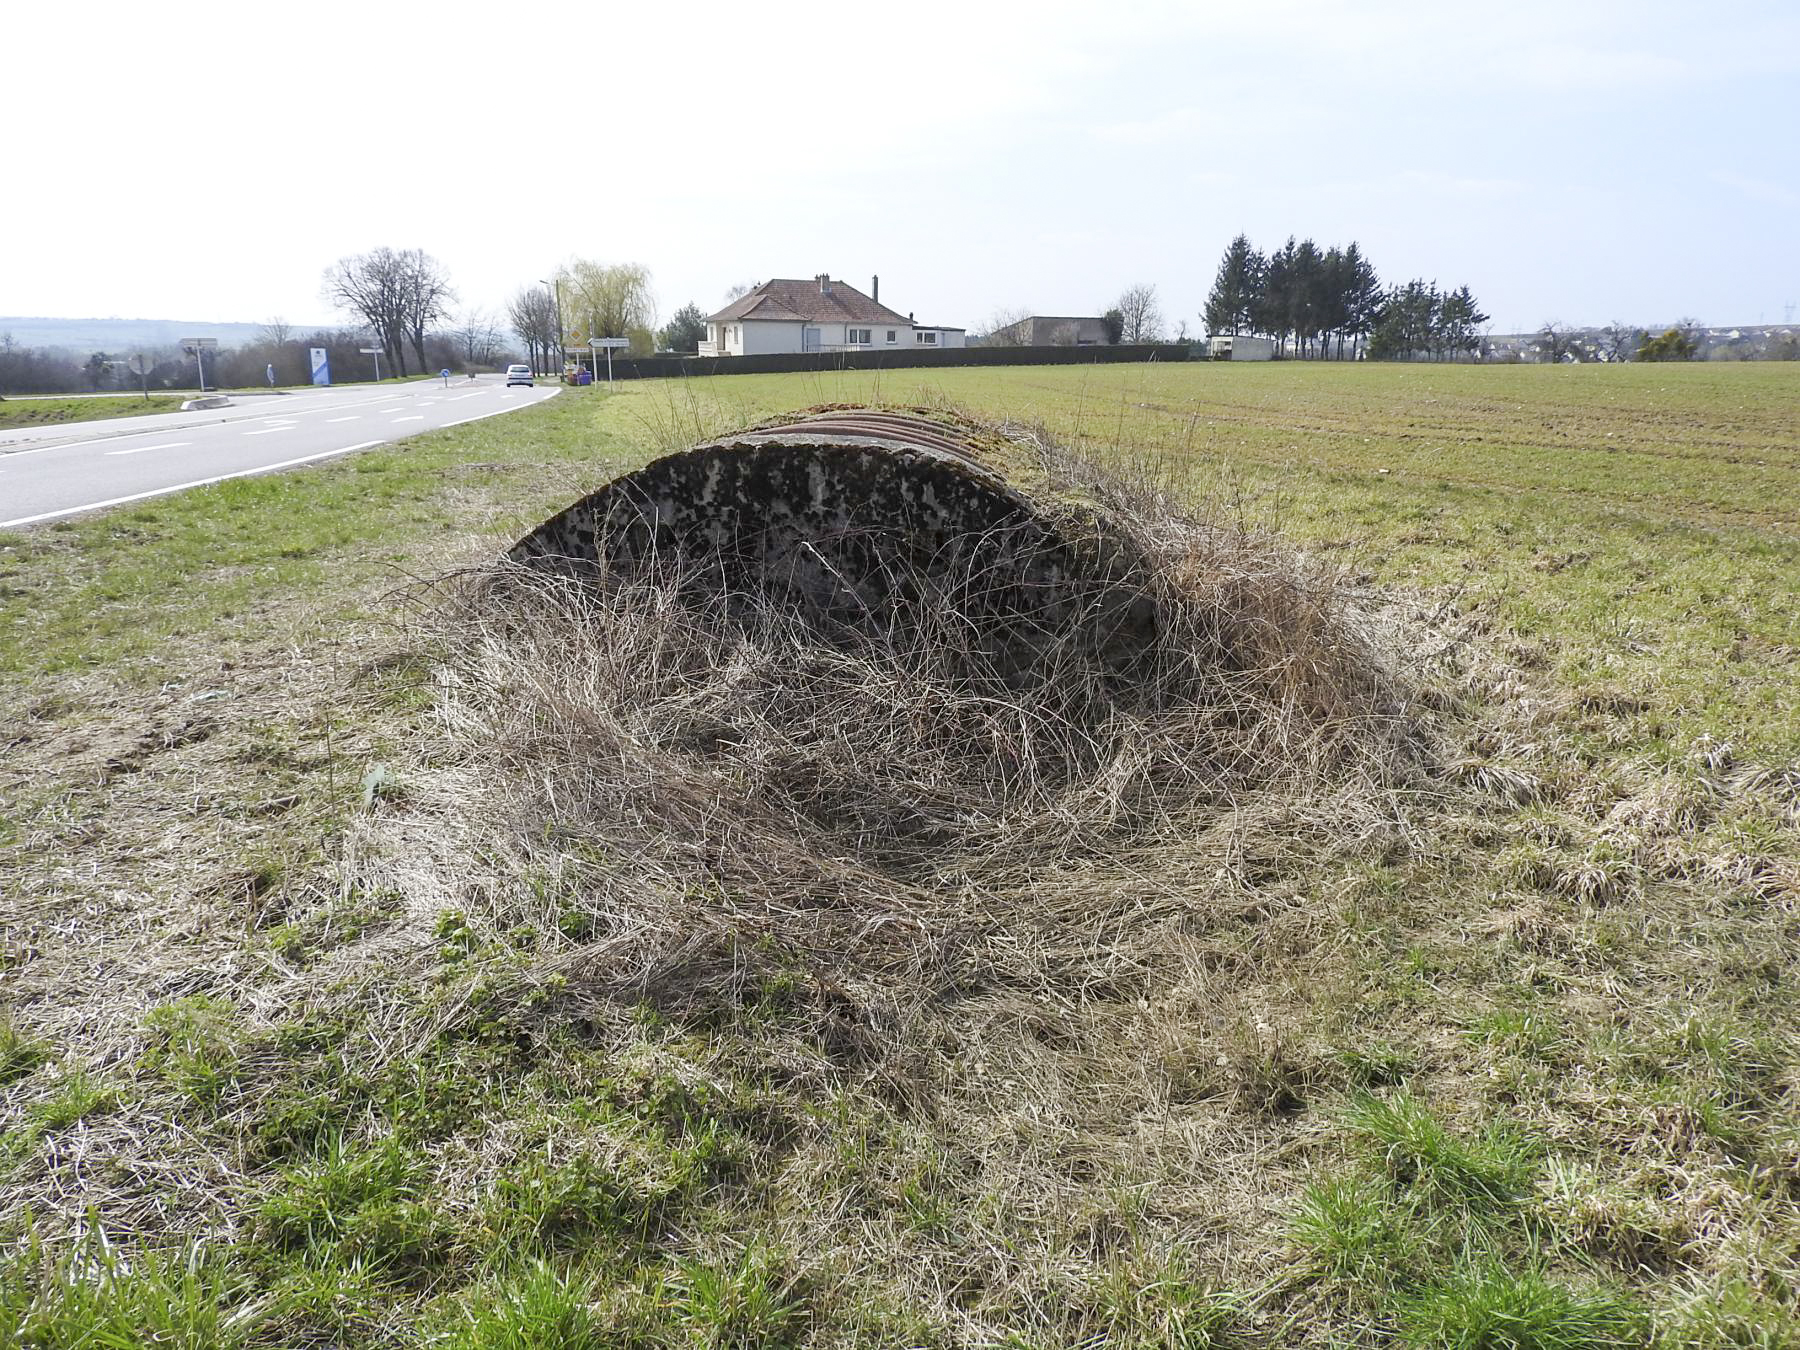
(1555, 341)
(742, 288)
(532, 314)
(275, 333)
(478, 338)
(1064, 335)
(428, 297)
(1142, 320)
(1008, 328)
(1619, 340)
(399, 293)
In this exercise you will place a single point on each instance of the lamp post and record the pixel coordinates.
(555, 289)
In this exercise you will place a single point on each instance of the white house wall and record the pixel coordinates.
(759, 337)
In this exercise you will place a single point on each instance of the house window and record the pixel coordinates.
(860, 337)
(893, 336)
(928, 339)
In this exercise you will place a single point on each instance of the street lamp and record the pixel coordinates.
(555, 288)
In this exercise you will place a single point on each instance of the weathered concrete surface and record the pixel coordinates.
(864, 519)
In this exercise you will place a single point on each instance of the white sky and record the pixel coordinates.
(1582, 160)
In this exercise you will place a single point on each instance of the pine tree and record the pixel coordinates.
(1234, 290)
(1274, 315)
(1308, 297)
(1365, 295)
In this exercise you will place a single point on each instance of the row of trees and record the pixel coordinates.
(1330, 302)
(401, 294)
(607, 300)
(1556, 341)
(1417, 320)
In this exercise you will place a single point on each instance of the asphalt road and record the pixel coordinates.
(50, 472)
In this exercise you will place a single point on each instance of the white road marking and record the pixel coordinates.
(496, 412)
(460, 397)
(266, 430)
(351, 418)
(139, 449)
(69, 445)
(416, 417)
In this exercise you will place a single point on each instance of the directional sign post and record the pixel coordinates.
(608, 344)
(376, 353)
(198, 348)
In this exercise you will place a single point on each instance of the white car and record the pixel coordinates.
(518, 375)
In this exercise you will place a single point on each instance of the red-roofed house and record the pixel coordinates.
(820, 315)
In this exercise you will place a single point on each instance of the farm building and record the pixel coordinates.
(1052, 330)
(821, 315)
(1240, 347)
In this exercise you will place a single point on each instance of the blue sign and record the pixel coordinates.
(321, 366)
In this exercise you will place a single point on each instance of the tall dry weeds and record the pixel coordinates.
(722, 782)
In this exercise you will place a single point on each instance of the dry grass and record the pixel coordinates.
(712, 777)
(702, 978)
(1049, 928)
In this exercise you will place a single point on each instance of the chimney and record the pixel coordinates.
(875, 288)
(824, 280)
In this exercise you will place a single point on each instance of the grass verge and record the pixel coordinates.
(37, 412)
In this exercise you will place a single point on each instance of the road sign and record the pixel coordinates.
(197, 348)
(576, 336)
(609, 342)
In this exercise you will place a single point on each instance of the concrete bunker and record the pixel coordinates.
(861, 648)
(869, 522)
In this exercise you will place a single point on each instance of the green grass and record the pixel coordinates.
(1419, 1153)
(1497, 1309)
(89, 1295)
(20, 1054)
(38, 412)
(1521, 1074)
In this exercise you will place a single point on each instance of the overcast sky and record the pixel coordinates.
(1578, 160)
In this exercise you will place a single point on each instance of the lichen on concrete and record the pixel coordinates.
(860, 518)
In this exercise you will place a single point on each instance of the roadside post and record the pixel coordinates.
(376, 353)
(445, 375)
(198, 348)
(608, 344)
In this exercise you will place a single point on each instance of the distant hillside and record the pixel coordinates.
(123, 335)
